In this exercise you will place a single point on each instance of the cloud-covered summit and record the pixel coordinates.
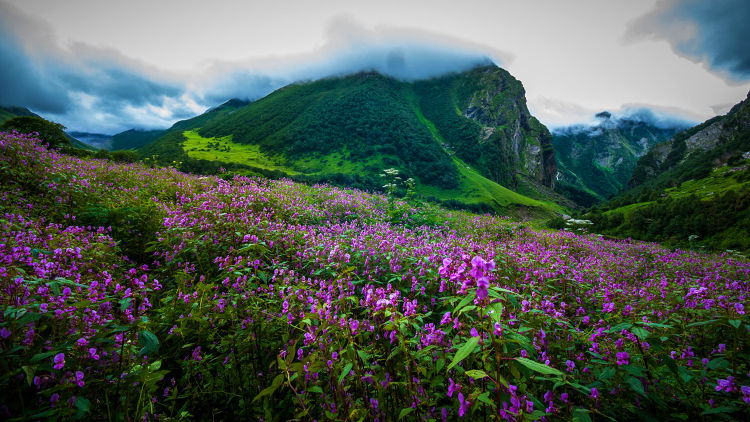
(100, 90)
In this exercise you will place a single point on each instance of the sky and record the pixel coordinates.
(106, 66)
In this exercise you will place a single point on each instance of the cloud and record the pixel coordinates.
(349, 48)
(714, 33)
(80, 85)
(97, 89)
(584, 120)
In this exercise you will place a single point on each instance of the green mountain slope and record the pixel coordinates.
(595, 162)
(134, 138)
(465, 138)
(9, 112)
(693, 190)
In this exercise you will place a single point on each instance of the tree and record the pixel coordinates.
(50, 132)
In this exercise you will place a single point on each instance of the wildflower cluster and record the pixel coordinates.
(131, 292)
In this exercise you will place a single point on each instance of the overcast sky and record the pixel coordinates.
(106, 66)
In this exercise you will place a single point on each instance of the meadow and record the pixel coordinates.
(132, 292)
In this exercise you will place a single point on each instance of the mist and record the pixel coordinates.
(606, 120)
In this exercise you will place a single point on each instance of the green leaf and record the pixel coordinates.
(149, 342)
(271, 388)
(29, 371)
(642, 333)
(581, 415)
(538, 367)
(83, 405)
(476, 374)
(636, 385)
(720, 409)
(405, 411)
(619, 327)
(735, 323)
(40, 356)
(345, 372)
(464, 351)
(463, 303)
(497, 310)
(485, 398)
(124, 304)
(315, 389)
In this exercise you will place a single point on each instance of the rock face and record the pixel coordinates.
(501, 138)
(711, 135)
(596, 161)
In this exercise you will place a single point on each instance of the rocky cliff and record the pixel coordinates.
(709, 144)
(501, 137)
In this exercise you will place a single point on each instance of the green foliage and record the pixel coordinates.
(134, 138)
(366, 115)
(51, 133)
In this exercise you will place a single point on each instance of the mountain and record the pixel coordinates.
(465, 137)
(9, 112)
(134, 138)
(596, 161)
(96, 140)
(693, 190)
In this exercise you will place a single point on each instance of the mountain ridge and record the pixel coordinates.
(443, 132)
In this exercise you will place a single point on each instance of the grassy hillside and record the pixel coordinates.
(712, 212)
(348, 130)
(134, 292)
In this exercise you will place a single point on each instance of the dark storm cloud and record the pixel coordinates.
(714, 32)
(23, 82)
(76, 83)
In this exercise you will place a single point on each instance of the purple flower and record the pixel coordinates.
(79, 378)
(726, 385)
(93, 354)
(623, 358)
(59, 360)
(594, 393)
(54, 398)
(446, 318)
(482, 284)
(571, 365)
(464, 405)
(745, 393)
(474, 332)
(564, 397)
(452, 387)
(740, 308)
(4, 332)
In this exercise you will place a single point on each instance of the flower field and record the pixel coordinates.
(138, 293)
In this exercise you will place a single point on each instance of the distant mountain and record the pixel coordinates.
(595, 162)
(693, 190)
(95, 140)
(465, 137)
(134, 138)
